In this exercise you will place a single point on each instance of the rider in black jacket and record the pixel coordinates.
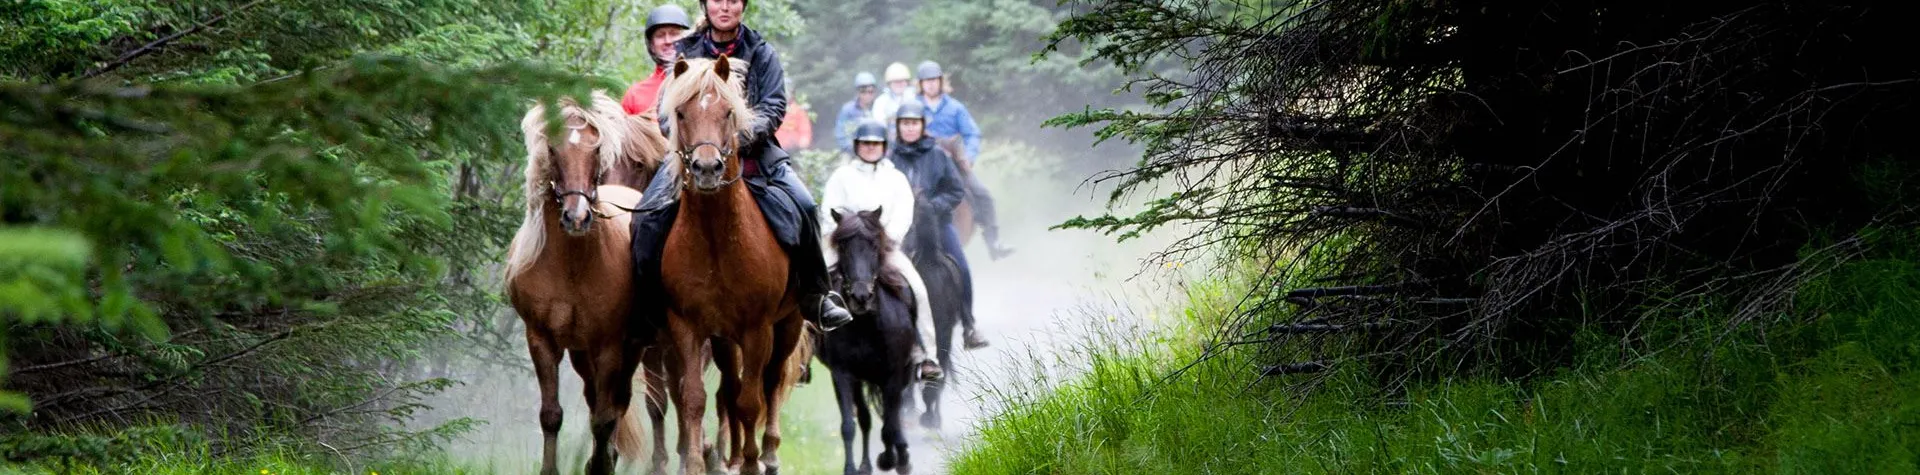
(788, 206)
(938, 188)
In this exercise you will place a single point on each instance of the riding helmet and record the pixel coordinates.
(911, 110)
(864, 79)
(929, 70)
(897, 72)
(667, 15)
(870, 131)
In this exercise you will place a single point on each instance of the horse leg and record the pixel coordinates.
(607, 402)
(655, 359)
(688, 369)
(726, 447)
(786, 340)
(892, 435)
(844, 388)
(546, 368)
(866, 426)
(930, 393)
(756, 351)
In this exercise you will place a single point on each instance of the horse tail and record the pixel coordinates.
(627, 439)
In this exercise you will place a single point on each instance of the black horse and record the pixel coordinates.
(873, 352)
(946, 295)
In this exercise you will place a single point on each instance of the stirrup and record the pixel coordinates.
(833, 313)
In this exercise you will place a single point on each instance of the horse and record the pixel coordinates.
(567, 275)
(872, 352)
(946, 296)
(724, 273)
(963, 213)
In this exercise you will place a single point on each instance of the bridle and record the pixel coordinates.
(686, 156)
(591, 194)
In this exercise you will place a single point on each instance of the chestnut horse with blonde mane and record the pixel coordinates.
(724, 273)
(568, 273)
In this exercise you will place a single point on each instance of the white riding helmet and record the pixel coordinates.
(898, 72)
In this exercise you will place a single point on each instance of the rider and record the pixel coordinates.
(938, 188)
(947, 117)
(796, 131)
(664, 26)
(864, 184)
(897, 93)
(855, 112)
(783, 199)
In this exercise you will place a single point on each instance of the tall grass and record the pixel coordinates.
(1828, 388)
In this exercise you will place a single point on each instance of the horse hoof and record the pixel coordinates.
(886, 461)
(930, 420)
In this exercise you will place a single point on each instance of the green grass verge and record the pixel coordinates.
(1830, 390)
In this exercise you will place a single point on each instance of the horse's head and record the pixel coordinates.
(863, 246)
(709, 107)
(569, 171)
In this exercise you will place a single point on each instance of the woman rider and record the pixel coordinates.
(783, 199)
(938, 188)
(871, 182)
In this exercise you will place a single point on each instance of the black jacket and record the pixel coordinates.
(937, 185)
(766, 87)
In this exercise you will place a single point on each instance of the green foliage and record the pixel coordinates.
(1835, 393)
(251, 229)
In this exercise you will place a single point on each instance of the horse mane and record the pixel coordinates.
(860, 227)
(607, 117)
(700, 77)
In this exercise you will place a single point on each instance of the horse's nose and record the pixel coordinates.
(576, 220)
(709, 167)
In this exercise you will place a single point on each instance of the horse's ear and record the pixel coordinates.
(876, 212)
(723, 67)
(836, 214)
(680, 67)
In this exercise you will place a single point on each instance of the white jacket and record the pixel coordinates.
(860, 186)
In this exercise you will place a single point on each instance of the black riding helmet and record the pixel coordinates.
(870, 131)
(911, 110)
(667, 15)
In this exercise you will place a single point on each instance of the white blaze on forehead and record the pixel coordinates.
(705, 99)
(574, 138)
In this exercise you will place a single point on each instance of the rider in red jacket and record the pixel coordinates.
(665, 25)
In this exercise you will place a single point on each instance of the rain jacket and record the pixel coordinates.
(766, 87)
(948, 117)
(860, 186)
(936, 182)
(643, 95)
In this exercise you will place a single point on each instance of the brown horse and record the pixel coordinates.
(962, 214)
(568, 274)
(724, 273)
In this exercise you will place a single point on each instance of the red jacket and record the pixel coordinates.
(796, 130)
(641, 97)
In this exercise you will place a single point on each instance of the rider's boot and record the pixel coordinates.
(926, 368)
(830, 313)
(973, 339)
(995, 248)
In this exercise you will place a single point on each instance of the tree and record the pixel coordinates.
(1455, 187)
(224, 214)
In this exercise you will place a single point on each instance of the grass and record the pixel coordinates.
(1833, 391)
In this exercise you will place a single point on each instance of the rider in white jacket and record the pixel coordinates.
(867, 182)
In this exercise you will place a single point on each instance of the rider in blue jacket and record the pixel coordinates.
(947, 117)
(855, 111)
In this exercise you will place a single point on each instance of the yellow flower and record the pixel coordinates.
(264, 471)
